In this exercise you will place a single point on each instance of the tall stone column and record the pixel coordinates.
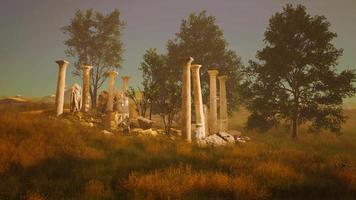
(62, 64)
(206, 119)
(198, 102)
(223, 104)
(86, 85)
(125, 85)
(186, 101)
(212, 102)
(111, 91)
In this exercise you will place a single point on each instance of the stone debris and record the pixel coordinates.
(227, 137)
(107, 132)
(87, 124)
(235, 133)
(148, 132)
(212, 140)
(222, 138)
(144, 123)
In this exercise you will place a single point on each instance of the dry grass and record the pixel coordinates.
(178, 182)
(44, 158)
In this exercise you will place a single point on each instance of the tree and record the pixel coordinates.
(201, 38)
(140, 100)
(150, 67)
(94, 39)
(296, 79)
(161, 87)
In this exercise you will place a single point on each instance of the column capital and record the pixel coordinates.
(222, 78)
(125, 77)
(188, 62)
(213, 72)
(62, 62)
(112, 73)
(86, 67)
(195, 67)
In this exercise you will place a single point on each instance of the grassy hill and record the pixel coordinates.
(45, 158)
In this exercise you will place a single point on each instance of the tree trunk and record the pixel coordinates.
(150, 111)
(94, 95)
(295, 119)
(295, 127)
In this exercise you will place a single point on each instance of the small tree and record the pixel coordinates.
(161, 87)
(94, 39)
(150, 67)
(296, 79)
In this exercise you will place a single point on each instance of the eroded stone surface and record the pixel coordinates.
(75, 98)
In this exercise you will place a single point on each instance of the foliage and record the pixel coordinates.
(201, 38)
(140, 100)
(94, 39)
(151, 68)
(296, 79)
(161, 86)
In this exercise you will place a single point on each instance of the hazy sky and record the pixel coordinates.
(31, 40)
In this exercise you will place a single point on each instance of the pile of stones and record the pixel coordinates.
(223, 138)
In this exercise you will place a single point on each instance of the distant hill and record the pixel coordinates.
(13, 100)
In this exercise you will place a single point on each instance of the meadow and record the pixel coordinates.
(44, 158)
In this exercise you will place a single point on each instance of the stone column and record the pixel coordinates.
(206, 119)
(125, 81)
(111, 90)
(186, 101)
(223, 104)
(62, 64)
(212, 102)
(198, 102)
(86, 85)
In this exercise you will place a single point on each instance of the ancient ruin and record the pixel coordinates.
(213, 102)
(186, 101)
(86, 85)
(111, 91)
(198, 103)
(223, 126)
(114, 107)
(62, 64)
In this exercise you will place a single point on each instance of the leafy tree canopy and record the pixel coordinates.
(201, 38)
(296, 79)
(94, 39)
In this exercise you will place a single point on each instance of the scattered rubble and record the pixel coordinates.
(144, 123)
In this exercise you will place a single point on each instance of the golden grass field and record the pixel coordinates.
(42, 158)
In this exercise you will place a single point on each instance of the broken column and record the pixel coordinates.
(198, 103)
(86, 85)
(62, 64)
(186, 101)
(125, 81)
(212, 102)
(111, 90)
(223, 104)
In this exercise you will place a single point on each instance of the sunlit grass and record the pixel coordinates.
(44, 158)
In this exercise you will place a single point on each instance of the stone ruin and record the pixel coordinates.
(114, 104)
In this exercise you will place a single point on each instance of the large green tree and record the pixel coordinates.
(296, 79)
(201, 38)
(94, 39)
